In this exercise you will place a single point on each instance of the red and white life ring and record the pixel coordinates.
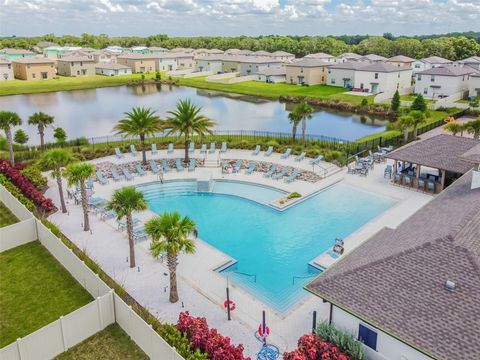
(232, 304)
(263, 334)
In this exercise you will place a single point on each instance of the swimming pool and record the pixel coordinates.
(272, 248)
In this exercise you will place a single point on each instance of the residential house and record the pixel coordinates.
(372, 58)
(430, 62)
(231, 63)
(343, 73)
(112, 69)
(104, 56)
(139, 63)
(473, 61)
(474, 85)
(272, 74)
(6, 70)
(54, 52)
(260, 53)
(13, 54)
(76, 66)
(114, 49)
(185, 60)
(181, 50)
(139, 50)
(215, 51)
(348, 56)
(33, 68)
(401, 61)
(382, 77)
(438, 82)
(211, 63)
(282, 56)
(307, 71)
(249, 65)
(321, 56)
(157, 50)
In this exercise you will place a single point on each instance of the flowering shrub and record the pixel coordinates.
(25, 186)
(311, 347)
(210, 341)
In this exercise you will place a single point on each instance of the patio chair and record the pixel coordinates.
(154, 167)
(431, 186)
(154, 149)
(292, 177)
(170, 148)
(140, 170)
(139, 234)
(118, 153)
(133, 150)
(89, 184)
(237, 166)
(223, 149)
(286, 154)
(300, 157)
(397, 179)
(270, 172)
(115, 175)
(280, 174)
(95, 201)
(101, 179)
(192, 165)
(107, 214)
(178, 165)
(388, 171)
(269, 151)
(386, 149)
(203, 149)
(122, 223)
(165, 165)
(212, 148)
(127, 174)
(316, 160)
(251, 167)
(421, 184)
(363, 171)
(256, 151)
(407, 181)
(351, 169)
(191, 147)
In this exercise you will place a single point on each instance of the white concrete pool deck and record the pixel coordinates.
(202, 290)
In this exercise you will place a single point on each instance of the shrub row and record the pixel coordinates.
(12, 189)
(344, 340)
(311, 347)
(34, 174)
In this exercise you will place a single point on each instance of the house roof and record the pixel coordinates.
(214, 51)
(472, 155)
(9, 51)
(319, 55)
(34, 60)
(309, 62)
(396, 280)
(4, 61)
(436, 60)
(373, 57)
(349, 65)
(449, 70)
(471, 60)
(439, 152)
(383, 67)
(281, 53)
(112, 66)
(401, 58)
(76, 58)
(157, 48)
(349, 55)
(261, 53)
(277, 70)
(140, 56)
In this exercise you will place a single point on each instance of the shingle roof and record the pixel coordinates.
(113, 66)
(309, 62)
(15, 51)
(471, 60)
(34, 60)
(319, 55)
(4, 61)
(395, 281)
(281, 53)
(350, 65)
(436, 60)
(401, 58)
(139, 56)
(349, 55)
(472, 155)
(261, 53)
(449, 70)
(280, 70)
(383, 67)
(439, 152)
(373, 57)
(76, 58)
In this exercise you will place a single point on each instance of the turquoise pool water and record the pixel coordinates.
(272, 248)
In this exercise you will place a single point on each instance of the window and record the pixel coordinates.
(376, 75)
(419, 77)
(33, 76)
(44, 75)
(332, 81)
(78, 72)
(399, 75)
(323, 78)
(72, 63)
(417, 66)
(329, 71)
(425, 90)
(301, 70)
(432, 78)
(367, 336)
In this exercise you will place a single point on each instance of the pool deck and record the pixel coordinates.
(202, 290)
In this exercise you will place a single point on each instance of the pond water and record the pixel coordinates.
(94, 112)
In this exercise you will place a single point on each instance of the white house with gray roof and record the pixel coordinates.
(112, 69)
(474, 85)
(211, 63)
(372, 58)
(272, 74)
(382, 77)
(343, 73)
(401, 60)
(429, 63)
(472, 61)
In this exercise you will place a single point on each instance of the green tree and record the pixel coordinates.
(295, 119)
(475, 102)
(139, 122)
(395, 104)
(419, 104)
(41, 121)
(124, 203)
(418, 118)
(78, 173)
(20, 137)
(473, 127)
(304, 111)
(55, 160)
(364, 102)
(60, 135)
(170, 234)
(9, 119)
(186, 120)
(454, 127)
(404, 124)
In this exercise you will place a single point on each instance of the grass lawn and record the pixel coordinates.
(6, 216)
(110, 344)
(34, 291)
(412, 97)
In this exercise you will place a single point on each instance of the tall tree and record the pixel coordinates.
(418, 118)
(60, 135)
(395, 104)
(124, 203)
(170, 233)
(294, 120)
(419, 103)
(55, 160)
(186, 120)
(305, 112)
(78, 173)
(404, 124)
(8, 120)
(141, 122)
(41, 121)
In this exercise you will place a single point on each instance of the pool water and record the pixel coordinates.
(272, 248)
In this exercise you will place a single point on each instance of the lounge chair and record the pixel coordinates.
(431, 186)
(133, 150)
(140, 170)
(286, 154)
(300, 157)
(203, 149)
(212, 148)
(388, 171)
(178, 165)
(421, 184)
(118, 153)
(292, 177)
(139, 234)
(191, 148)
(269, 151)
(122, 224)
(101, 179)
(154, 149)
(95, 201)
(316, 160)
(192, 165)
(385, 149)
(89, 184)
(115, 175)
(237, 166)
(154, 167)
(170, 148)
(224, 147)
(280, 174)
(270, 172)
(107, 214)
(363, 171)
(256, 151)
(165, 165)
(251, 167)
(127, 174)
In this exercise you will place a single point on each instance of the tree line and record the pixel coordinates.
(454, 46)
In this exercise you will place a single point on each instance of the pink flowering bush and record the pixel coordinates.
(311, 347)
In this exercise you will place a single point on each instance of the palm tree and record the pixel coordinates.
(294, 120)
(41, 121)
(140, 122)
(186, 120)
(404, 124)
(473, 127)
(304, 112)
(55, 160)
(454, 127)
(9, 119)
(170, 233)
(124, 202)
(78, 173)
(418, 118)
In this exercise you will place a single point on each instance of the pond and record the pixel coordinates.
(94, 112)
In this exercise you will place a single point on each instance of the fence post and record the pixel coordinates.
(62, 328)
(100, 317)
(21, 355)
